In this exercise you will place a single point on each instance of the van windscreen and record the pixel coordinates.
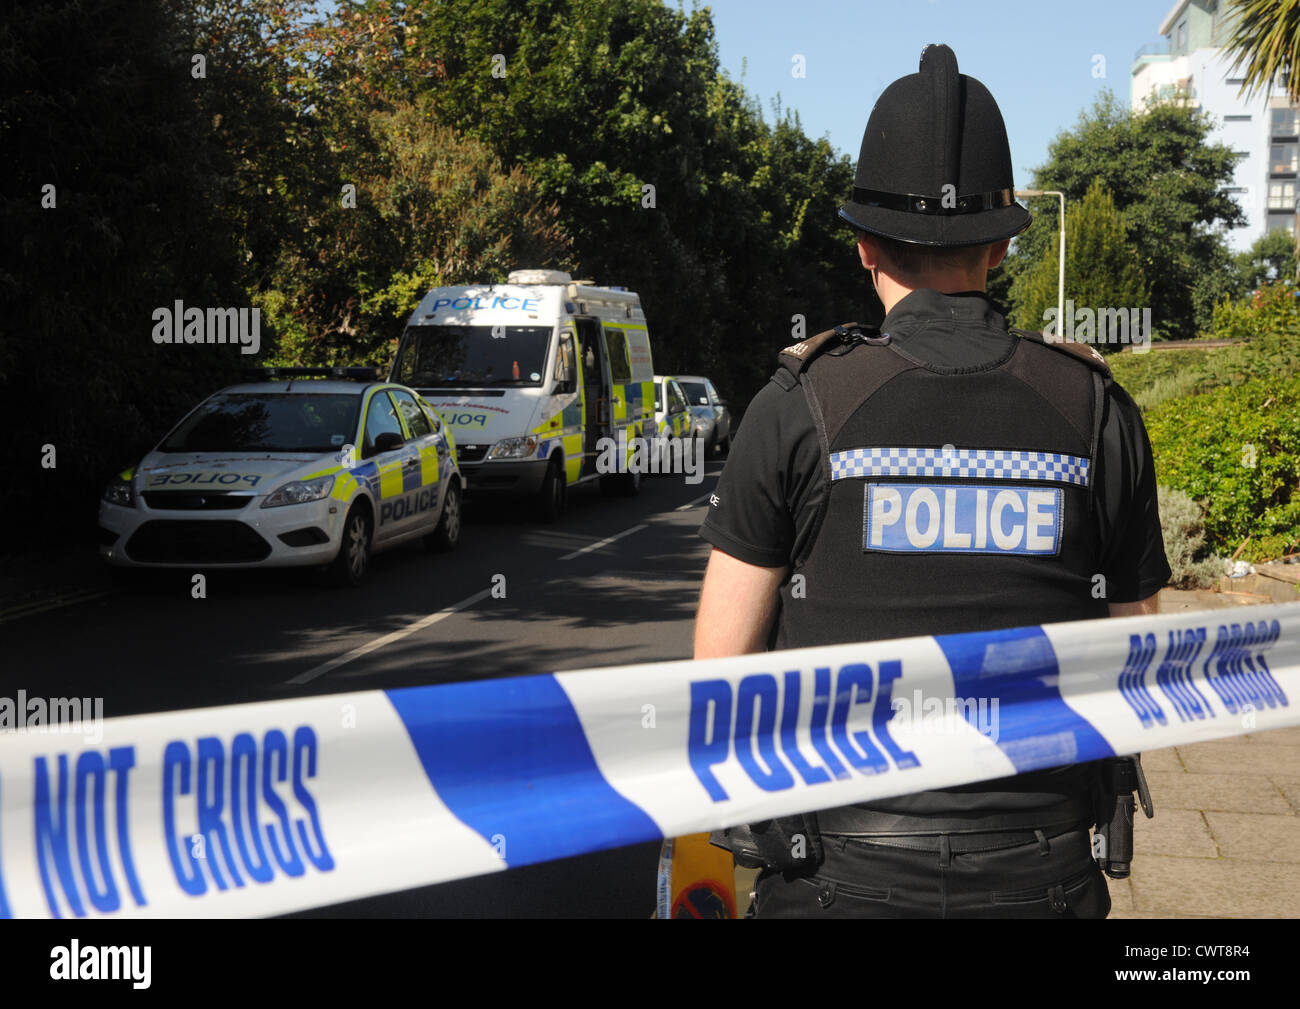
(473, 355)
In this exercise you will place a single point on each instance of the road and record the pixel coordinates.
(615, 581)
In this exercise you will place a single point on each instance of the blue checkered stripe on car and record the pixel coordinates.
(987, 464)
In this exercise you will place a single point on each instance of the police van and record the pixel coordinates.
(541, 379)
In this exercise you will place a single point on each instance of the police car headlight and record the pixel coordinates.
(299, 492)
(119, 493)
(513, 448)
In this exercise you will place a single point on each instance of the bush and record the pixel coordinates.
(1269, 324)
(1236, 450)
(1182, 521)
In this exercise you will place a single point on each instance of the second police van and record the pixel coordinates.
(537, 378)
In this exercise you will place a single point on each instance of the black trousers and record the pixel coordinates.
(1024, 875)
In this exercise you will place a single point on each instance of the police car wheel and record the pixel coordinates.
(447, 534)
(550, 498)
(349, 567)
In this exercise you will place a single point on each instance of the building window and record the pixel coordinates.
(1283, 159)
(1236, 119)
(1286, 122)
(1235, 81)
(1281, 195)
(1282, 222)
(1180, 37)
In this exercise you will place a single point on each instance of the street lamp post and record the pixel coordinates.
(1060, 287)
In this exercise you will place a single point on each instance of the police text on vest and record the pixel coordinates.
(962, 518)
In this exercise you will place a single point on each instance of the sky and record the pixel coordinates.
(1035, 56)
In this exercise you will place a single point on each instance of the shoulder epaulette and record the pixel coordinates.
(796, 358)
(1081, 351)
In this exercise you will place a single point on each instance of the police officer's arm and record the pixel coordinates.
(1147, 605)
(1133, 561)
(737, 606)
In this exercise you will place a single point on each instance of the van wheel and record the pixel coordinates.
(621, 484)
(447, 534)
(550, 498)
(353, 560)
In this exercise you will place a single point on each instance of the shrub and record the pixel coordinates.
(1268, 322)
(1236, 450)
(1182, 522)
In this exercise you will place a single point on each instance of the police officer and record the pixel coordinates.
(937, 474)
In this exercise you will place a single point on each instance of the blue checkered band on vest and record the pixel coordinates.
(987, 464)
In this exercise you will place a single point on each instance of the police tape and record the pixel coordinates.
(267, 808)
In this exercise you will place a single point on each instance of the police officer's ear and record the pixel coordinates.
(998, 252)
(868, 251)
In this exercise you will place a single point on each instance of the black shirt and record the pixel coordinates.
(768, 496)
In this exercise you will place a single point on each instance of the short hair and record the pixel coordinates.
(911, 259)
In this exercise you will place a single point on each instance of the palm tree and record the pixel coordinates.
(1266, 39)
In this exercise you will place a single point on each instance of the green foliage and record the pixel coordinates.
(1237, 450)
(1270, 259)
(1268, 321)
(1168, 183)
(1266, 39)
(432, 208)
(597, 101)
(1100, 267)
(1182, 523)
(100, 104)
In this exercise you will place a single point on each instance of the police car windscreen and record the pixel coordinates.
(473, 355)
(268, 422)
(695, 393)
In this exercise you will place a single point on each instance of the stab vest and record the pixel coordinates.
(955, 500)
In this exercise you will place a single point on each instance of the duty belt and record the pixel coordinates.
(854, 821)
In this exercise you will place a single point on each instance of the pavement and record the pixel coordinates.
(1225, 840)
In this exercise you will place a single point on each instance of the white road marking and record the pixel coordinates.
(433, 618)
(43, 605)
(691, 504)
(605, 542)
(388, 639)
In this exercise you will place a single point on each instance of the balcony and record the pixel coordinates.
(1160, 48)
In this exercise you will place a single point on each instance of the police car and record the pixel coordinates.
(286, 474)
(673, 418)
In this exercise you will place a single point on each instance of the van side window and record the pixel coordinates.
(565, 365)
(616, 344)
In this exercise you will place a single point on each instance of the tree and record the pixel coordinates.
(1101, 270)
(1271, 258)
(111, 209)
(432, 208)
(1168, 184)
(665, 173)
(1265, 37)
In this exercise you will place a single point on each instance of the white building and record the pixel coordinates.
(1190, 65)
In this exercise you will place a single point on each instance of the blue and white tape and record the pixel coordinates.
(267, 808)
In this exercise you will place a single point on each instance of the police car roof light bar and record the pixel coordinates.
(358, 373)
